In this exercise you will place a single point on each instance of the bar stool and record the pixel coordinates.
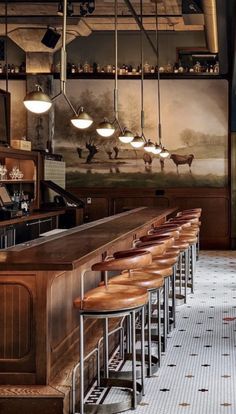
(106, 302)
(153, 283)
(166, 266)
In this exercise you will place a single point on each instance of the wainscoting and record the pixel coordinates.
(215, 203)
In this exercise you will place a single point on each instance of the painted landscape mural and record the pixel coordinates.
(194, 126)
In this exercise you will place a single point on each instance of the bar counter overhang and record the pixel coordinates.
(38, 283)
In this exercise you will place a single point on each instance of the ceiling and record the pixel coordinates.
(26, 13)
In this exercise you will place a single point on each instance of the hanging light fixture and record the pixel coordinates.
(82, 120)
(107, 128)
(38, 102)
(159, 149)
(164, 153)
(126, 137)
(149, 146)
(138, 142)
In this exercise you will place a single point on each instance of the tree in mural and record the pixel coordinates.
(190, 138)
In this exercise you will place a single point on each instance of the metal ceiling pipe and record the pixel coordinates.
(211, 30)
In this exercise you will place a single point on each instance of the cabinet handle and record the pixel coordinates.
(39, 222)
(32, 224)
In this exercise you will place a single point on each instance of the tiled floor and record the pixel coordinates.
(198, 373)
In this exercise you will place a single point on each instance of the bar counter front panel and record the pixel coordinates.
(38, 283)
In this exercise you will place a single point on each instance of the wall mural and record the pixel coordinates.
(195, 131)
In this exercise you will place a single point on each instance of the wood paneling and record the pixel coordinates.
(15, 321)
(215, 203)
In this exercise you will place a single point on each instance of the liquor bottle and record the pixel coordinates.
(176, 67)
(86, 67)
(73, 68)
(146, 67)
(22, 67)
(217, 67)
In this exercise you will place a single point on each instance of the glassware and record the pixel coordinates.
(3, 172)
(16, 174)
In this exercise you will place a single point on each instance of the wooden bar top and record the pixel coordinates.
(76, 246)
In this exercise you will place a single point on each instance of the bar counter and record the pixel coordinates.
(39, 281)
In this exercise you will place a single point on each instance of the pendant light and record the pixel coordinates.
(82, 120)
(38, 102)
(107, 128)
(159, 149)
(126, 137)
(137, 142)
(149, 146)
(140, 141)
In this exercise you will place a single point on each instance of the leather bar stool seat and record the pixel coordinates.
(194, 212)
(102, 298)
(140, 279)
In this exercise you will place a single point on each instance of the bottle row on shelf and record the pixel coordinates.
(12, 68)
(133, 70)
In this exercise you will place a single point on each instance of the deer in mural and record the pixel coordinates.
(182, 159)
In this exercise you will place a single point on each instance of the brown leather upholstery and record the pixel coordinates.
(164, 232)
(181, 245)
(168, 259)
(157, 247)
(112, 298)
(184, 224)
(188, 213)
(131, 260)
(168, 226)
(168, 240)
(190, 210)
(159, 269)
(174, 250)
(189, 239)
(139, 278)
(183, 219)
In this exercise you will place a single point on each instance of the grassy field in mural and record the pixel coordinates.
(139, 180)
(129, 171)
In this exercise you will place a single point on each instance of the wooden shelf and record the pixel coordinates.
(146, 76)
(23, 76)
(21, 181)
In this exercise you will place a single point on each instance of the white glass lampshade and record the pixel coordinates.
(82, 120)
(157, 149)
(137, 142)
(105, 129)
(149, 146)
(37, 101)
(164, 153)
(127, 137)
